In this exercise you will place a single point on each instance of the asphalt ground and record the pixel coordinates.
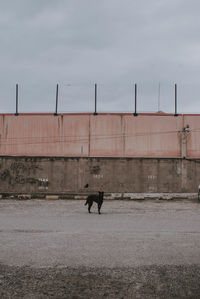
(134, 249)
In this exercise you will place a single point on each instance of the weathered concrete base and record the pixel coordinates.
(156, 196)
(125, 176)
(107, 196)
(52, 197)
(24, 196)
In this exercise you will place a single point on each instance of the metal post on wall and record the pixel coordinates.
(95, 98)
(56, 111)
(135, 113)
(175, 90)
(17, 96)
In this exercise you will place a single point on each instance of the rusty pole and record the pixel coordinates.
(135, 113)
(56, 112)
(175, 114)
(17, 90)
(95, 98)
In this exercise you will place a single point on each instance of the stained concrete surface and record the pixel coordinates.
(65, 175)
(134, 249)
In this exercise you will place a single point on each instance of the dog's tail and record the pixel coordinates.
(86, 202)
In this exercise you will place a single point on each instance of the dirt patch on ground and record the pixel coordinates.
(139, 282)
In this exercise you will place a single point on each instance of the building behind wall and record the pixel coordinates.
(43, 153)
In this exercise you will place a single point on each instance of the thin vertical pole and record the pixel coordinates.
(159, 97)
(135, 113)
(176, 114)
(56, 112)
(95, 98)
(17, 96)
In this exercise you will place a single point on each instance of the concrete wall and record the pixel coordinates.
(65, 175)
(104, 135)
(113, 152)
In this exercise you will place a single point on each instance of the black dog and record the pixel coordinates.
(97, 198)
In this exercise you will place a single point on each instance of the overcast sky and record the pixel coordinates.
(113, 43)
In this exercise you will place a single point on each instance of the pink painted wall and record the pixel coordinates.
(193, 137)
(152, 136)
(104, 135)
(44, 135)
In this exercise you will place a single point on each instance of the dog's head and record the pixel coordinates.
(101, 194)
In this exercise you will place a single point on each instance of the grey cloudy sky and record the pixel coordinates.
(112, 42)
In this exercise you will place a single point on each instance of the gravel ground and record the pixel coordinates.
(135, 249)
(141, 282)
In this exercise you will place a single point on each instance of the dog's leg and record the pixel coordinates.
(99, 208)
(89, 206)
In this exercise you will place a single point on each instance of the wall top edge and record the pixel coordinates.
(96, 157)
(90, 113)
